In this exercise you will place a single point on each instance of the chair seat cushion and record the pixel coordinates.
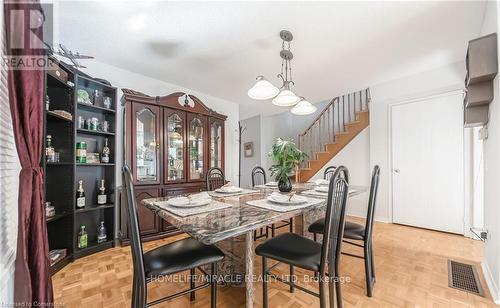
(318, 226)
(354, 231)
(292, 249)
(179, 256)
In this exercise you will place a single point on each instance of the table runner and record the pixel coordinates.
(268, 205)
(183, 212)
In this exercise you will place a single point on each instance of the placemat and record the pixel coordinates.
(183, 212)
(223, 195)
(268, 205)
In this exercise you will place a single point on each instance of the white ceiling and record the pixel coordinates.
(220, 47)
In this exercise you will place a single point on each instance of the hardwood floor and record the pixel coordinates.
(410, 263)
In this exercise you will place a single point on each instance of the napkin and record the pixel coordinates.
(321, 182)
(276, 196)
(200, 196)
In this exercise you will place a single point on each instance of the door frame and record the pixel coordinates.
(466, 209)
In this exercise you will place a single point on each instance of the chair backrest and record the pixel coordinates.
(371, 202)
(135, 237)
(329, 171)
(215, 178)
(335, 218)
(258, 176)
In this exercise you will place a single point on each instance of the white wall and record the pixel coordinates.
(491, 261)
(121, 78)
(446, 78)
(356, 157)
(251, 133)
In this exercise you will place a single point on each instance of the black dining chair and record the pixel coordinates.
(176, 257)
(215, 178)
(329, 171)
(259, 178)
(296, 250)
(354, 231)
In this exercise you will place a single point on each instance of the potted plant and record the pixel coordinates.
(287, 157)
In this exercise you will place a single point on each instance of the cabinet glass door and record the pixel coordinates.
(175, 122)
(196, 139)
(216, 139)
(146, 145)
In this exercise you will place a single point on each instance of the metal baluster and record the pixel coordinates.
(349, 107)
(333, 119)
(338, 114)
(320, 124)
(368, 98)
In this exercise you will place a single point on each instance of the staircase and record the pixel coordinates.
(340, 122)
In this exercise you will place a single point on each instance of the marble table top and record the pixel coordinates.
(240, 218)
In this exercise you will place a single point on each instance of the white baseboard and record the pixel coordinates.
(492, 286)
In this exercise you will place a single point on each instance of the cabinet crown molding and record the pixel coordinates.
(172, 101)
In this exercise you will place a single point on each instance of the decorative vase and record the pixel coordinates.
(285, 185)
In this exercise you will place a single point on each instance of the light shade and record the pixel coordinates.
(303, 108)
(263, 89)
(286, 98)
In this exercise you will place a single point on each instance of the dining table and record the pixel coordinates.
(231, 227)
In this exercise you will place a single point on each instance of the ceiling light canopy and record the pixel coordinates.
(303, 107)
(263, 89)
(282, 96)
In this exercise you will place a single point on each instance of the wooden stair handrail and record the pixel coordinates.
(321, 114)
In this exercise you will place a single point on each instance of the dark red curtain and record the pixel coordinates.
(26, 90)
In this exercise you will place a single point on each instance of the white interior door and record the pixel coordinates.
(427, 163)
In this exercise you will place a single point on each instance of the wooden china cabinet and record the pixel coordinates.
(170, 143)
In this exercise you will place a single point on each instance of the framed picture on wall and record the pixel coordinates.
(248, 149)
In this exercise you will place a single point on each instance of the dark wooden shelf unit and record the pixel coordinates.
(58, 188)
(170, 145)
(91, 173)
(61, 178)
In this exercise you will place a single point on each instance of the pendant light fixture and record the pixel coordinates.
(303, 107)
(263, 89)
(283, 96)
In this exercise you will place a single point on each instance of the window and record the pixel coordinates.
(9, 185)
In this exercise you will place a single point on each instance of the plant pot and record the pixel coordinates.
(285, 185)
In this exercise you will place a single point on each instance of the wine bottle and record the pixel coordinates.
(82, 238)
(80, 196)
(105, 152)
(50, 153)
(101, 196)
(101, 233)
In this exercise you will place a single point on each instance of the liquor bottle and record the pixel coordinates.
(105, 152)
(101, 196)
(82, 238)
(80, 196)
(101, 233)
(50, 153)
(81, 152)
